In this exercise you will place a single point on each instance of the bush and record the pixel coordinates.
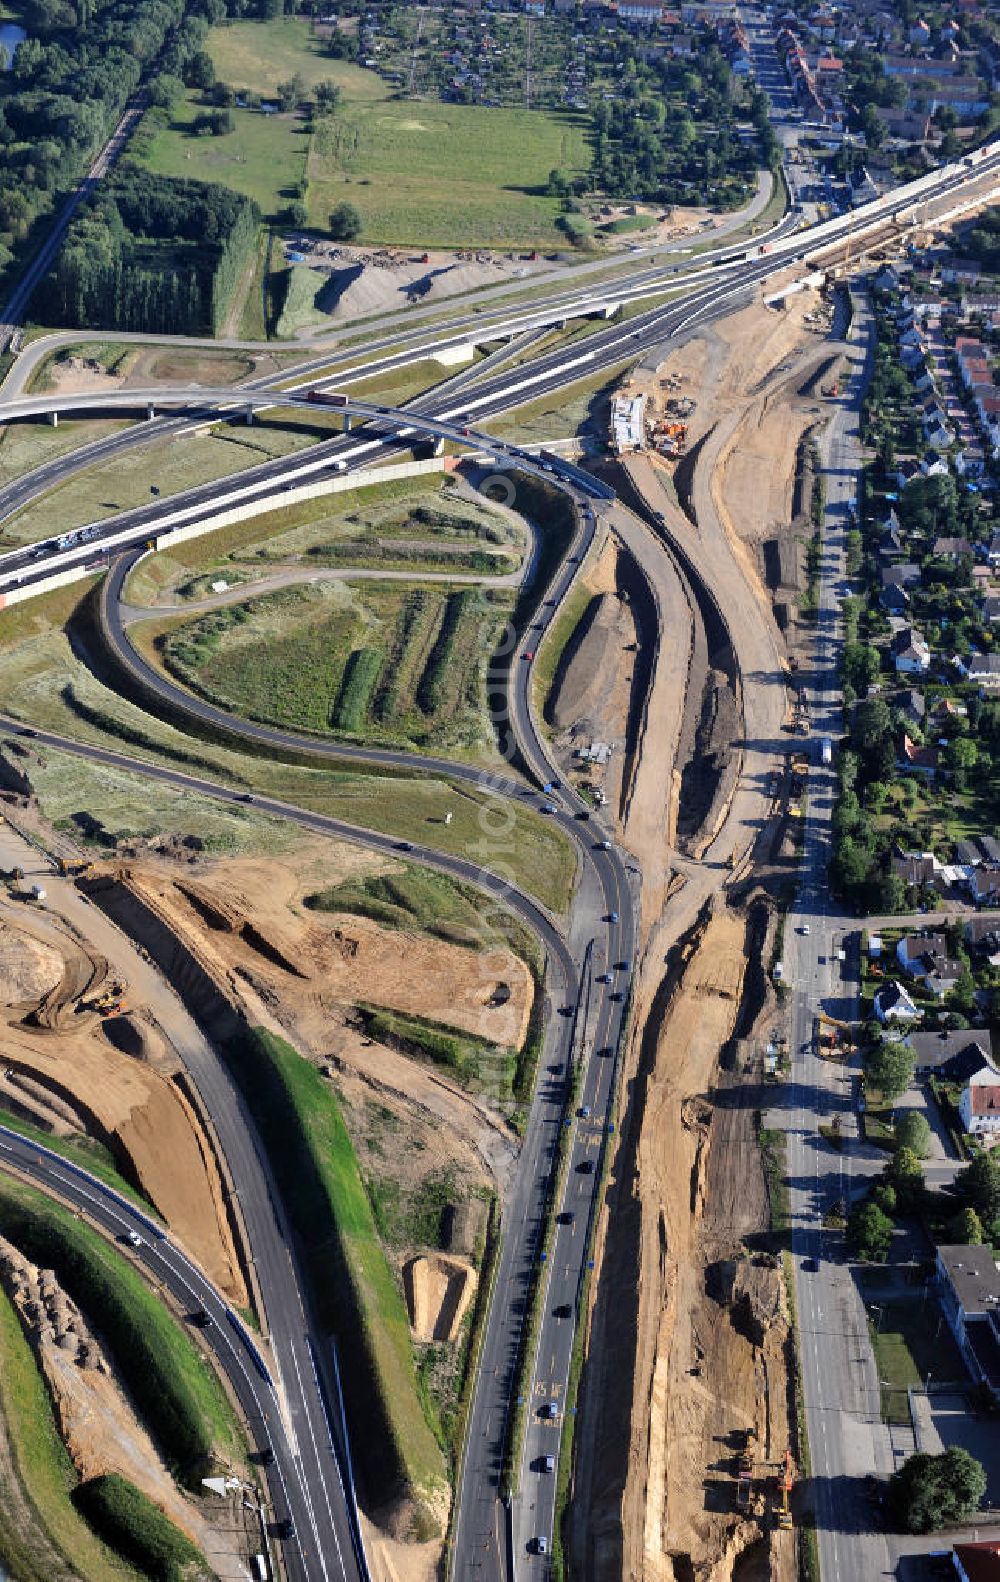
(869, 1233)
(931, 1492)
(361, 676)
(345, 223)
(913, 1132)
(131, 1524)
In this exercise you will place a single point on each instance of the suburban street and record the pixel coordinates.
(847, 1439)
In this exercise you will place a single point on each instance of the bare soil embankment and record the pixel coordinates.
(688, 1331)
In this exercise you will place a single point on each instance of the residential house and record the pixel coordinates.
(905, 574)
(893, 1004)
(968, 1286)
(991, 608)
(913, 951)
(887, 278)
(954, 1054)
(910, 653)
(916, 868)
(983, 670)
(990, 848)
(911, 703)
(984, 883)
(951, 548)
(921, 760)
(979, 1102)
(943, 976)
(894, 600)
(933, 464)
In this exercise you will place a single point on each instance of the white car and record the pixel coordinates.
(805, 928)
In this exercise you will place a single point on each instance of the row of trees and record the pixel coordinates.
(152, 254)
(69, 83)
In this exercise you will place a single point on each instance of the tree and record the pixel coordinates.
(967, 1228)
(291, 93)
(979, 1186)
(889, 1068)
(931, 1492)
(199, 71)
(557, 185)
(345, 223)
(913, 1134)
(961, 756)
(326, 96)
(905, 1174)
(296, 215)
(869, 1233)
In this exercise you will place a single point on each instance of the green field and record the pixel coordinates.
(47, 685)
(445, 175)
(124, 482)
(421, 173)
(175, 1390)
(385, 662)
(311, 1153)
(44, 1473)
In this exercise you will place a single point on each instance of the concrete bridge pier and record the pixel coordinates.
(347, 422)
(248, 415)
(53, 419)
(150, 412)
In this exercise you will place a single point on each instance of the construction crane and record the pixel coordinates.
(785, 1484)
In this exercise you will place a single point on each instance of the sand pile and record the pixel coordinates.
(438, 1293)
(29, 969)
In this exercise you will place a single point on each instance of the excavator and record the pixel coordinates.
(74, 870)
(786, 1482)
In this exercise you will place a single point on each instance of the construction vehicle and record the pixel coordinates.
(744, 1473)
(786, 1482)
(74, 869)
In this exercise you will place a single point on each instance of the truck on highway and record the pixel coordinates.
(826, 751)
(326, 397)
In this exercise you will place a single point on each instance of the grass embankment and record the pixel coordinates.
(138, 1529)
(124, 483)
(86, 1152)
(557, 639)
(46, 684)
(375, 662)
(300, 1122)
(175, 1390)
(44, 1473)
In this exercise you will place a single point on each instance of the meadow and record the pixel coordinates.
(381, 661)
(421, 173)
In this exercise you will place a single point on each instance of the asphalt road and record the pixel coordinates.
(847, 1439)
(13, 311)
(277, 1427)
(602, 891)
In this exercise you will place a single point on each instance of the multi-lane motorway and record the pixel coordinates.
(602, 928)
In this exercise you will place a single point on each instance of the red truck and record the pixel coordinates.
(326, 397)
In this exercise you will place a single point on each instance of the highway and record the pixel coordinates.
(714, 290)
(480, 1543)
(291, 1429)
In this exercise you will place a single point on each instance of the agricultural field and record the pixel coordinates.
(420, 172)
(382, 662)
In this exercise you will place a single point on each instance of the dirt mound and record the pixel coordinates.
(438, 1293)
(587, 669)
(137, 1036)
(29, 968)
